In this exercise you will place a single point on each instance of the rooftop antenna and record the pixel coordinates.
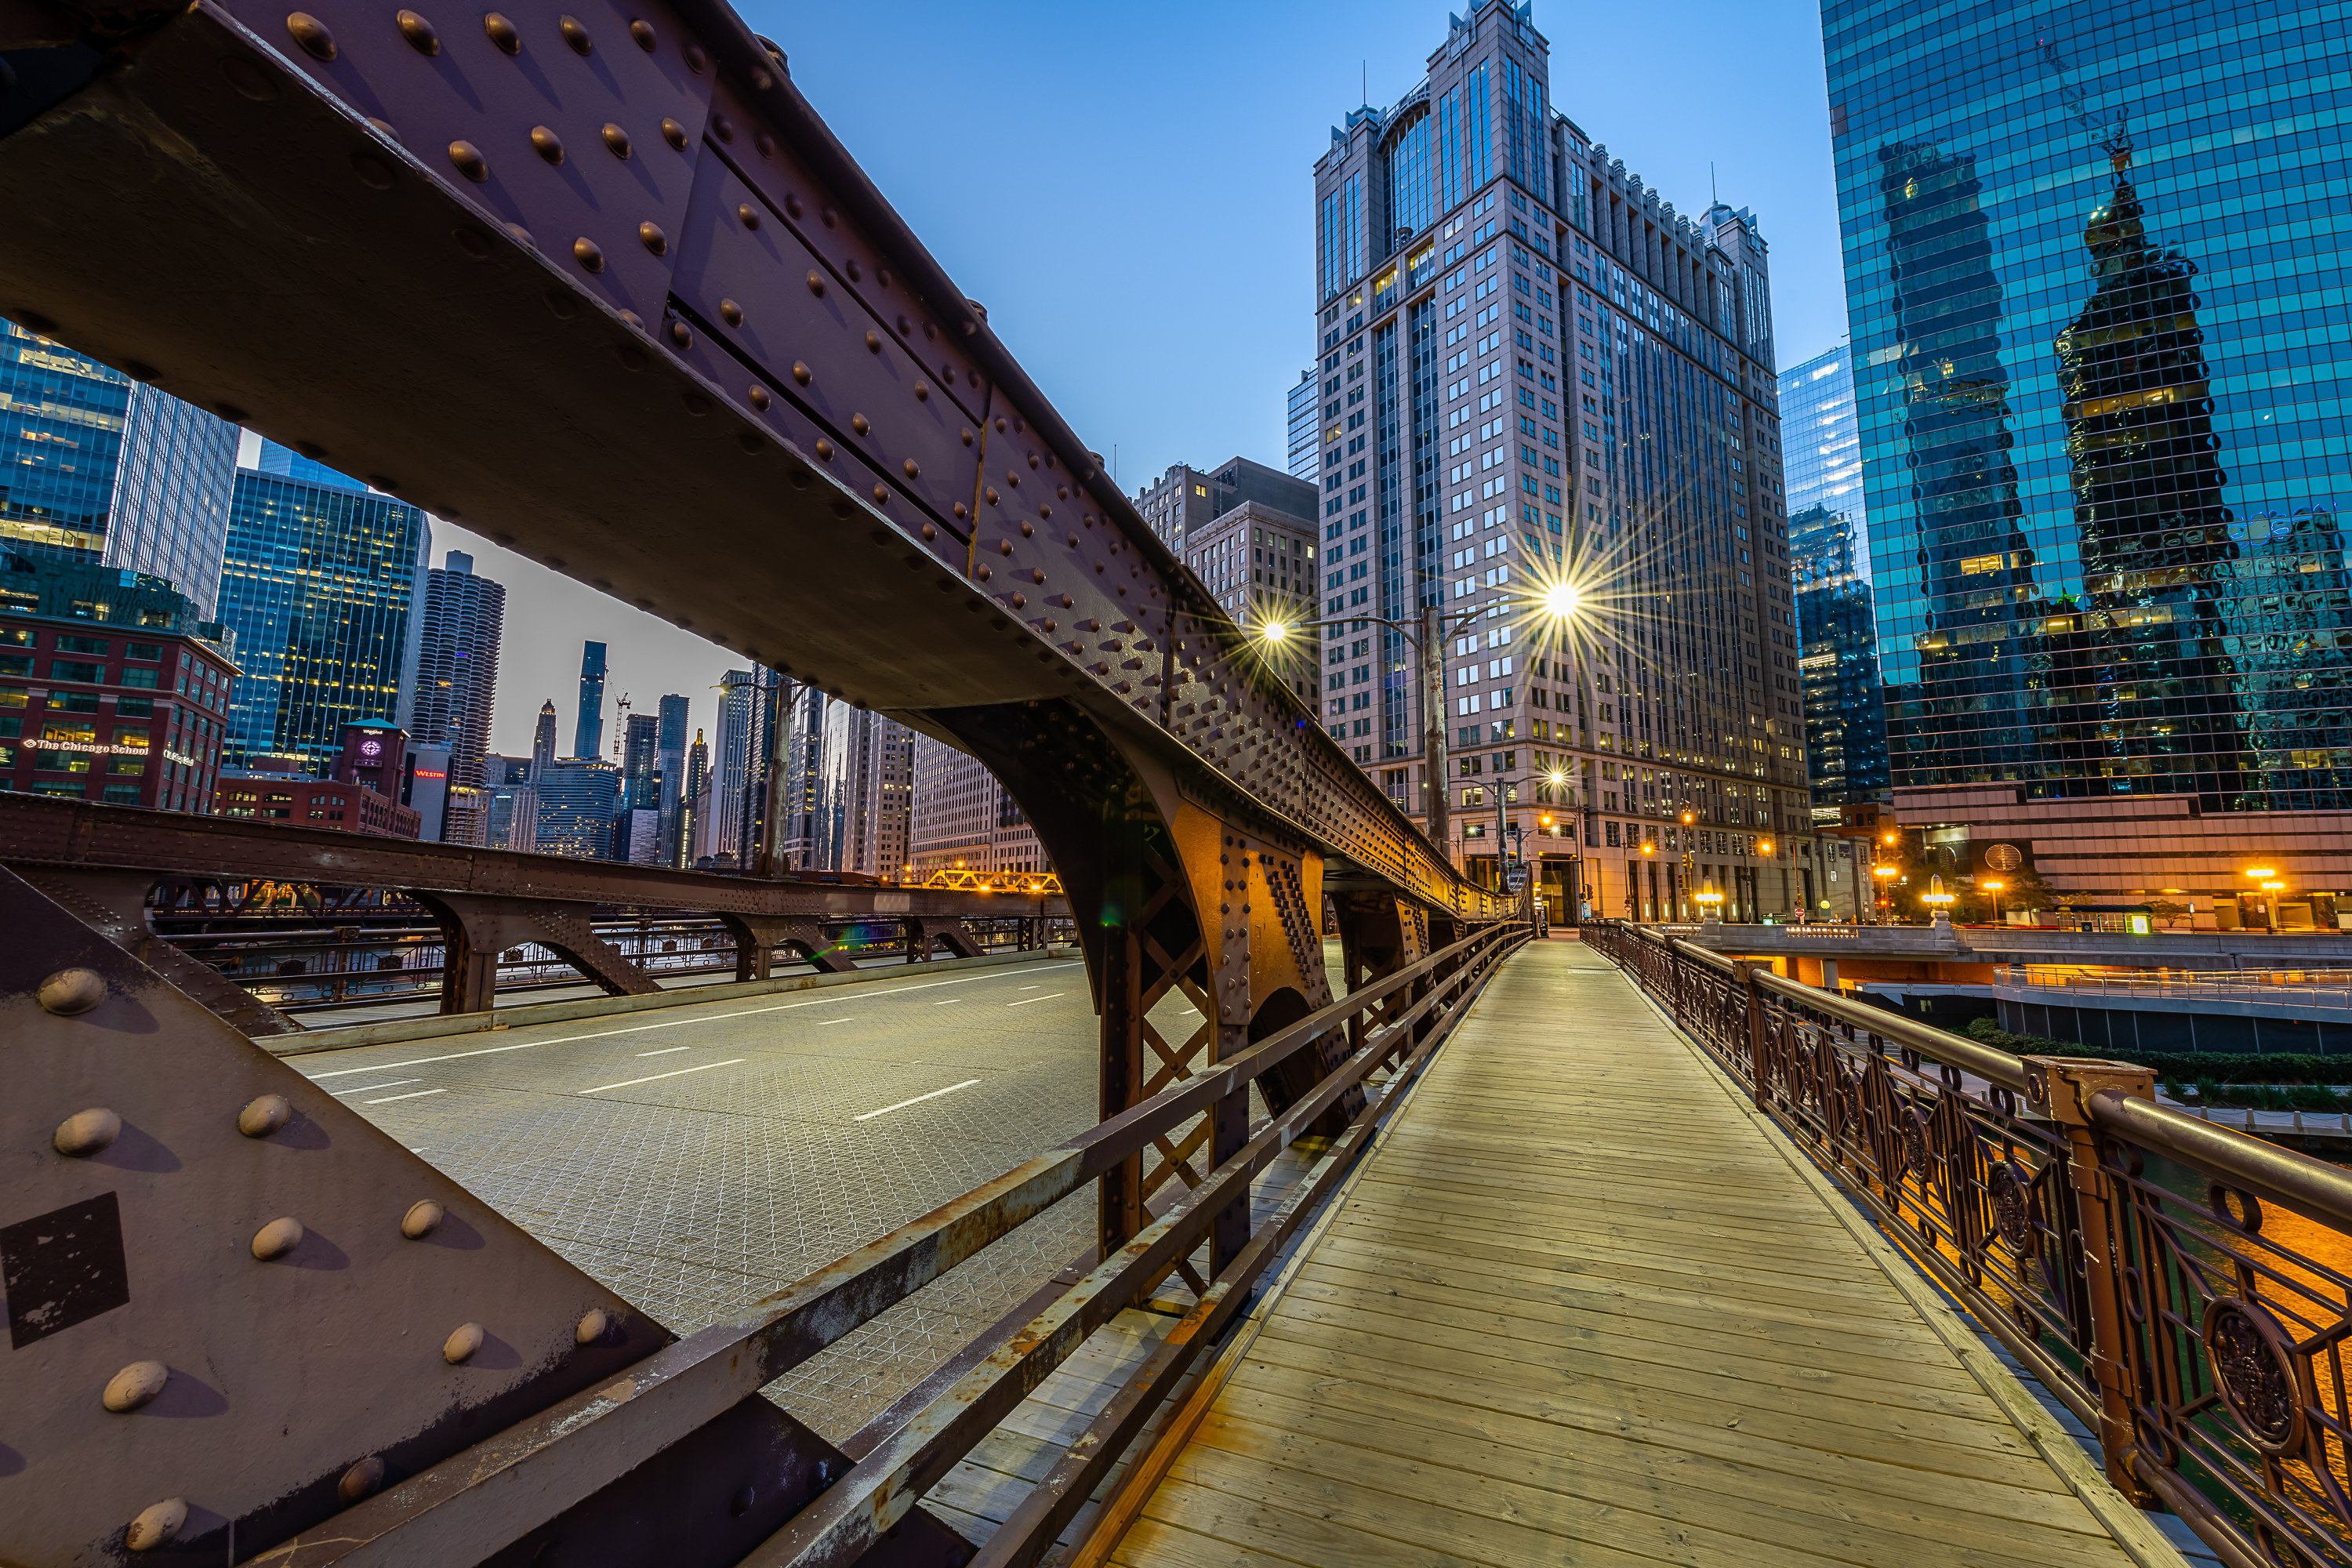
(1713, 200)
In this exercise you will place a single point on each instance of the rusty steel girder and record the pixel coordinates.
(626, 306)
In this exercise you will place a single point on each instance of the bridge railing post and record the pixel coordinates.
(2063, 1088)
(1757, 1031)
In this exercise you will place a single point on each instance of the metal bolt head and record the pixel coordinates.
(595, 1327)
(134, 1385)
(546, 144)
(418, 32)
(575, 35)
(675, 135)
(85, 1133)
(72, 991)
(276, 1239)
(362, 1480)
(423, 1218)
(156, 1524)
(264, 1114)
(463, 1341)
(502, 33)
(617, 140)
(311, 33)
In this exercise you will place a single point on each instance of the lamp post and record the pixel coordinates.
(1710, 905)
(1764, 852)
(1649, 848)
(1560, 601)
(1689, 860)
(1886, 890)
(1994, 886)
(1938, 900)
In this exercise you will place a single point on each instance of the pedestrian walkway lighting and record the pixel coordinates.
(1994, 886)
(1934, 896)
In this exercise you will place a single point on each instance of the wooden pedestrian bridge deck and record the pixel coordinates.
(1581, 1304)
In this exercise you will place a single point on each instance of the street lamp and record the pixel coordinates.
(1994, 886)
(1939, 899)
(1558, 603)
(1886, 890)
(1650, 850)
(1710, 905)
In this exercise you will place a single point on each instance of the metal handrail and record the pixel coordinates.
(2207, 1356)
(462, 1508)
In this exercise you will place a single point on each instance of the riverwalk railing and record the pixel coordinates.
(2184, 1290)
(2303, 988)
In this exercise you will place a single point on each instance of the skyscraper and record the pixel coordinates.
(962, 819)
(693, 795)
(1305, 464)
(2103, 496)
(456, 682)
(1837, 685)
(317, 590)
(96, 466)
(588, 731)
(1534, 371)
(671, 761)
(640, 787)
(731, 768)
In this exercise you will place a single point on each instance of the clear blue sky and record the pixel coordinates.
(1128, 189)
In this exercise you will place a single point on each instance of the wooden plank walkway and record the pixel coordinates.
(1580, 1307)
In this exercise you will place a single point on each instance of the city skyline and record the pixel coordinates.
(1242, 145)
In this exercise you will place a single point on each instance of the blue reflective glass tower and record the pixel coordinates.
(2095, 277)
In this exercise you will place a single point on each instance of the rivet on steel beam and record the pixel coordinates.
(959, 511)
(418, 32)
(930, 532)
(1004, 547)
(923, 392)
(681, 335)
(617, 140)
(264, 1114)
(912, 471)
(990, 496)
(695, 58)
(71, 991)
(467, 160)
(561, 305)
(761, 81)
(824, 450)
(674, 133)
(362, 1480)
(85, 1133)
(156, 1525)
(134, 1385)
(750, 442)
(967, 434)
(653, 239)
(423, 1218)
(250, 79)
(740, 1503)
(1000, 425)
(546, 144)
(817, 284)
(748, 216)
(722, 128)
(764, 142)
(801, 372)
(827, 217)
(858, 423)
(982, 574)
(873, 344)
(473, 242)
(855, 271)
(373, 171)
(759, 398)
(696, 404)
(278, 1237)
(502, 33)
(731, 312)
(463, 1341)
(311, 33)
(792, 205)
(881, 495)
(643, 32)
(575, 35)
(1027, 532)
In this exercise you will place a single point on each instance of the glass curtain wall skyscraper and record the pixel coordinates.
(97, 466)
(319, 590)
(456, 685)
(1533, 369)
(1846, 717)
(2094, 274)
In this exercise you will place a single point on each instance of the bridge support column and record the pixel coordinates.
(1380, 933)
(757, 937)
(474, 931)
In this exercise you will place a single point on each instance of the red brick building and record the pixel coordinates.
(126, 714)
(355, 800)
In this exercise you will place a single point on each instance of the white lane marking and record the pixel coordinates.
(414, 1094)
(627, 1083)
(669, 1023)
(1049, 996)
(371, 1088)
(949, 1002)
(829, 1022)
(666, 1051)
(1028, 988)
(917, 1100)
